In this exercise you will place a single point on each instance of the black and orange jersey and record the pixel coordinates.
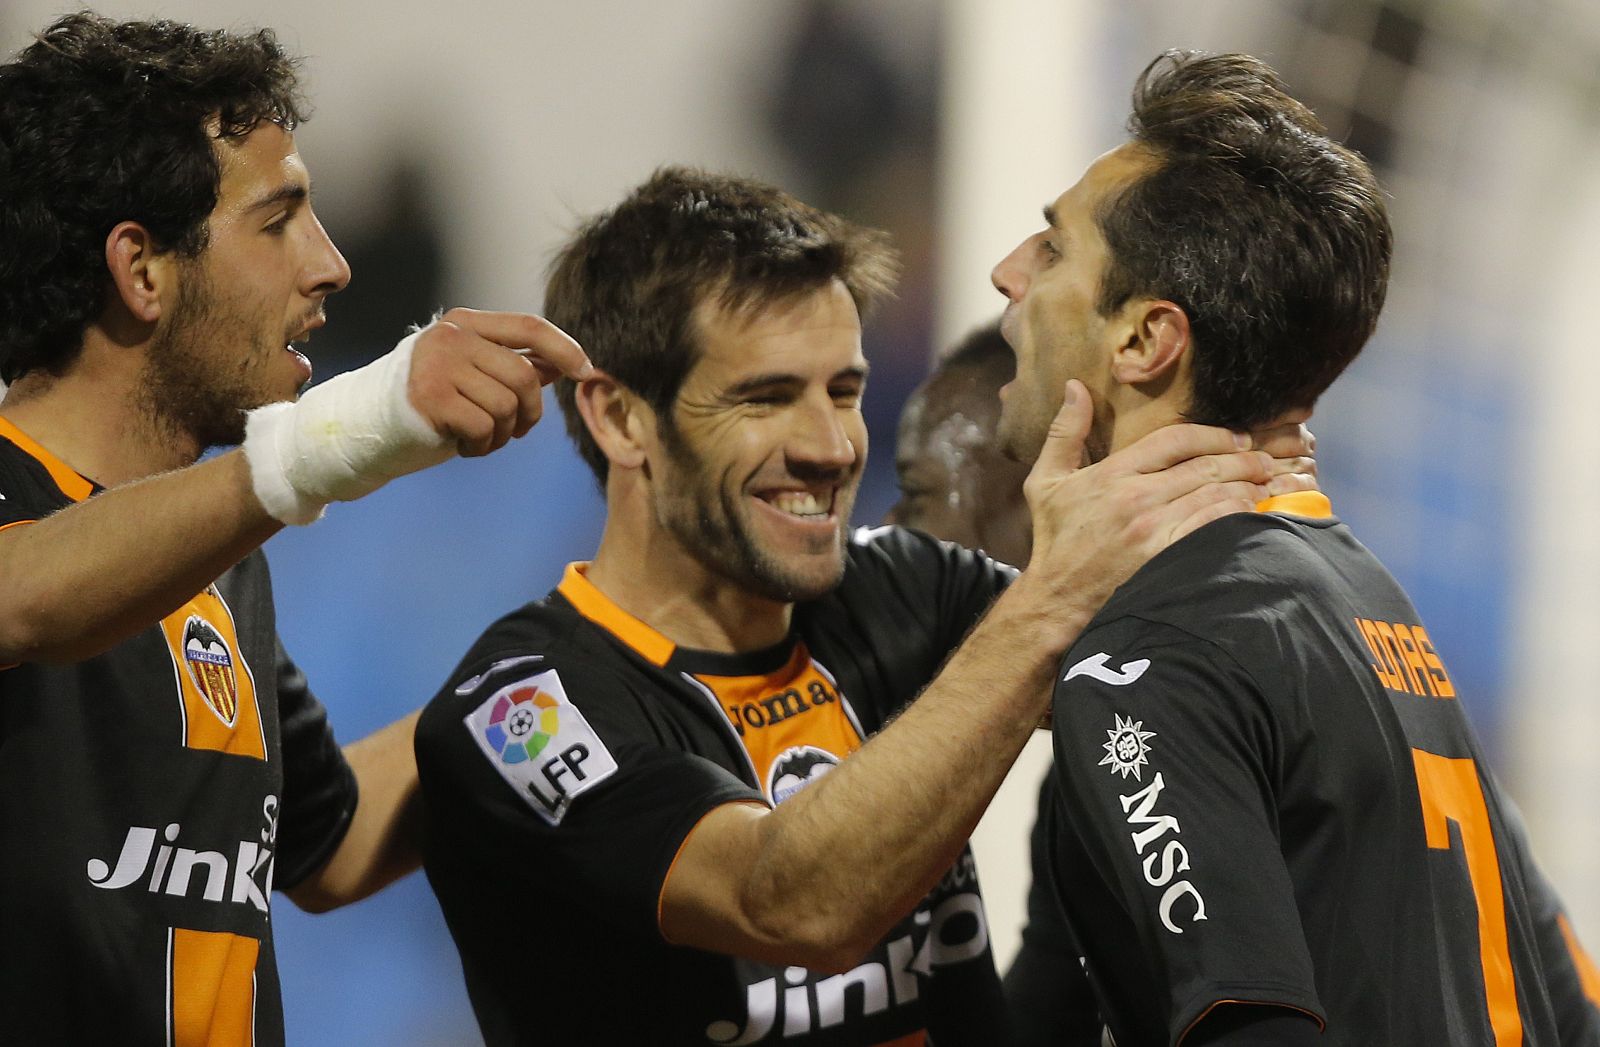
(151, 797)
(574, 750)
(1269, 794)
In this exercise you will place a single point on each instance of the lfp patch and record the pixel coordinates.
(541, 744)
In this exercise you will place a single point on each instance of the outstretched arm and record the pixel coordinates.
(89, 576)
(818, 880)
(382, 843)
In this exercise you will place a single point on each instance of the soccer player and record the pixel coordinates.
(655, 812)
(1274, 819)
(163, 765)
(954, 482)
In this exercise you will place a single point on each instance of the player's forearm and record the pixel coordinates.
(383, 842)
(87, 577)
(863, 844)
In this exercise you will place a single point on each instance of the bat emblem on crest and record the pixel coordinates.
(210, 665)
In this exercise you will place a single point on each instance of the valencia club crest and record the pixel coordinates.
(210, 665)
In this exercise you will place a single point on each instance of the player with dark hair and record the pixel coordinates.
(662, 770)
(1274, 818)
(954, 481)
(163, 765)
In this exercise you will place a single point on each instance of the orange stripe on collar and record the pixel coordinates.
(1313, 505)
(599, 609)
(72, 484)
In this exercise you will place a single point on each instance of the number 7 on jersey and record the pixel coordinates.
(1450, 792)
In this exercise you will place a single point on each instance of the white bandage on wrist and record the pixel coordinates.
(343, 439)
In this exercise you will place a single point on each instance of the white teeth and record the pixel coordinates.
(802, 503)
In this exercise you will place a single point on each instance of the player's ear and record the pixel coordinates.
(618, 419)
(1157, 340)
(140, 274)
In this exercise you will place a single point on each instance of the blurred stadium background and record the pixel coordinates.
(452, 150)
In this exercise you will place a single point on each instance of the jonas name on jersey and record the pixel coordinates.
(1243, 734)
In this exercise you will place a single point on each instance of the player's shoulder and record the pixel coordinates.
(531, 638)
(28, 490)
(1246, 564)
(545, 640)
(901, 554)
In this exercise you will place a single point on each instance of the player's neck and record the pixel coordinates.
(90, 417)
(1136, 417)
(650, 576)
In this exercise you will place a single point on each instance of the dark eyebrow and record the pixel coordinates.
(283, 194)
(1050, 215)
(767, 381)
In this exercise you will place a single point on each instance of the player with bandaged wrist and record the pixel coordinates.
(163, 766)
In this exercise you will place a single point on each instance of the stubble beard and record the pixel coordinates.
(708, 521)
(1023, 442)
(198, 379)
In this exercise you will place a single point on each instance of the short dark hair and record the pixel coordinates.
(1273, 238)
(628, 282)
(103, 122)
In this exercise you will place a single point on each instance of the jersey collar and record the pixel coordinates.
(656, 648)
(1312, 505)
(72, 483)
(599, 609)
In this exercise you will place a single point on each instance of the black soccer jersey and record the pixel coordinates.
(574, 750)
(151, 797)
(1270, 794)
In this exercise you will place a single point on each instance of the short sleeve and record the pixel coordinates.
(319, 788)
(1569, 974)
(554, 776)
(1165, 757)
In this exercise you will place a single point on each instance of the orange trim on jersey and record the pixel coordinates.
(792, 707)
(214, 682)
(599, 609)
(1322, 1026)
(72, 484)
(661, 899)
(212, 988)
(1588, 974)
(916, 1039)
(1313, 505)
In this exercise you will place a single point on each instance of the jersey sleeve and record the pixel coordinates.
(319, 788)
(1166, 760)
(554, 777)
(1568, 973)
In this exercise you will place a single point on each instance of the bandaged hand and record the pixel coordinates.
(467, 383)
